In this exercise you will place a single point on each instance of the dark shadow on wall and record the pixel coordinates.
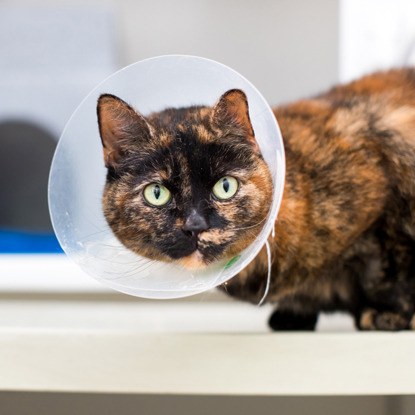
(26, 152)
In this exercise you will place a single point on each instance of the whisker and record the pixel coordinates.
(134, 269)
(248, 227)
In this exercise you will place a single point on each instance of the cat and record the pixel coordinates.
(190, 186)
(187, 185)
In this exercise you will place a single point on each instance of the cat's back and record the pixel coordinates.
(349, 153)
(381, 100)
(395, 86)
(368, 121)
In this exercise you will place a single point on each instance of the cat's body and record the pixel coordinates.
(345, 233)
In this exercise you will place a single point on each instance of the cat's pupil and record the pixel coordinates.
(157, 191)
(226, 185)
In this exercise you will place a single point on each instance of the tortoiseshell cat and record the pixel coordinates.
(189, 185)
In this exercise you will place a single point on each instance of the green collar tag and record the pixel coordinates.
(232, 261)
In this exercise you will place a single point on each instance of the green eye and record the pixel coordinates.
(225, 188)
(157, 195)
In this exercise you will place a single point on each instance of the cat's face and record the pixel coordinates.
(188, 185)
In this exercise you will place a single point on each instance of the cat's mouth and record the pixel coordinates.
(194, 261)
(207, 250)
(197, 258)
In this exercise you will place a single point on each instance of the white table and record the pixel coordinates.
(60, 334)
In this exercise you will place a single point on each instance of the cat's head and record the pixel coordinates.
(185, 185)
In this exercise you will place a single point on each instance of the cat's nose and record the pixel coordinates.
(195, 224)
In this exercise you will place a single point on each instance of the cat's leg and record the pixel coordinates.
(283, 320)
(386, 286)
(372, 319)
(389, 307)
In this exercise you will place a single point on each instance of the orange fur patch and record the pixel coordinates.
(194, 261)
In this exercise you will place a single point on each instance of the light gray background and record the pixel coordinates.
(55, 52)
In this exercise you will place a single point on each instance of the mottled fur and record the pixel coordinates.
(186, 150)
(345, 234)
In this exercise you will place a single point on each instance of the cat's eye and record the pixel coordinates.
(157, 195)
(225, 188)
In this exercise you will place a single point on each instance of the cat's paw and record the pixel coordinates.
(372, 319)
(286, 321)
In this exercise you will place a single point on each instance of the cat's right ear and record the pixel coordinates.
(119, 126)
(231, 113)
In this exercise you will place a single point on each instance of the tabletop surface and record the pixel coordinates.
(67, 338)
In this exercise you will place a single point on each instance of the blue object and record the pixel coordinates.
(19, 242)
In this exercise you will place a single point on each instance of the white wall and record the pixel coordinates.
(375, 34)
(288, 49)
(52, 58)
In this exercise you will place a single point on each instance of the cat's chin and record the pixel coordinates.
(193, 262)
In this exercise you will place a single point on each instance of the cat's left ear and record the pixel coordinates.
(231, 113)
(120, 126)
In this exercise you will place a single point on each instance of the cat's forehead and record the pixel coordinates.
(178, 124)
(185, 146)
(171, 116)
